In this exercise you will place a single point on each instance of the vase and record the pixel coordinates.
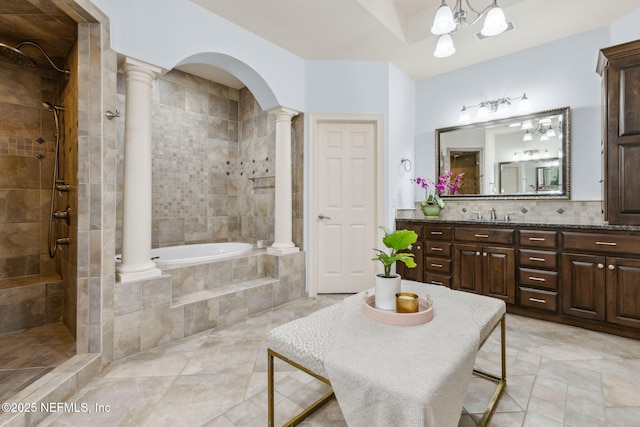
(431, 210)
(386, 289)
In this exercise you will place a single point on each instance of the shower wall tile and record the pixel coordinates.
(172, 93)
(24, 88)
(17, 206)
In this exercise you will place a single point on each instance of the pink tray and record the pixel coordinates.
(424, 315)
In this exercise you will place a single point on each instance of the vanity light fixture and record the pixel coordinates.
(500, 107)
(447, 22)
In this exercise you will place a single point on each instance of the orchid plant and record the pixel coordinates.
(447, 184)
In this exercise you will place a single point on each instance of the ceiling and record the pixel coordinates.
(41, 22)
(398, 31)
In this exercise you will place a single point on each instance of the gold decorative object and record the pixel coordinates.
(406, 302)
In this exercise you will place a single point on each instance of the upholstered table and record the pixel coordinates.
(388, 375)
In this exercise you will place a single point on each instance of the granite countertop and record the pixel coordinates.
(503, 223)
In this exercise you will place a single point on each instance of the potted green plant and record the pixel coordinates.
(387, 285)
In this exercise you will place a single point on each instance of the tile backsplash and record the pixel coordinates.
(533, 211)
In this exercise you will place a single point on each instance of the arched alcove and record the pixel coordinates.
(248, 76)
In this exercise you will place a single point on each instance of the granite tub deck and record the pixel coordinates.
(187, 300)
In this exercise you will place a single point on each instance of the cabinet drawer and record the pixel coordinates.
(437, 232)
(543, 300)
(538, 259)
(438, 279)
(539, 278)
(485, 235)
(601, 243)
(438, 249)
(538, 238)
(438, 265)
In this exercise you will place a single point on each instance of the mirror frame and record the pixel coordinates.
(566, 160)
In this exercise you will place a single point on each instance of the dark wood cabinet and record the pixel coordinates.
(416, 273)
(619, 67)
(623, 291)
(483, 268)
(583, 286)
(580, 275)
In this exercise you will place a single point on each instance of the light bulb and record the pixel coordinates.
(524, 105)
(526, 125)
(443, 22)
(495, 22)
(527, 136)
(464, 115)
(445, 47)
(504, 108)
(483, 112)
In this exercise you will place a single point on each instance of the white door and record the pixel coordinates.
(345, 187)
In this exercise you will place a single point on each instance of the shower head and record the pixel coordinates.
(15, 56)
(52, 107)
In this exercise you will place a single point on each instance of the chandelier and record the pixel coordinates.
(447, 22)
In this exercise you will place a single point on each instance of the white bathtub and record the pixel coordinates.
(178, 256)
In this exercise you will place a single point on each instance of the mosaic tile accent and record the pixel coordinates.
(213, 163)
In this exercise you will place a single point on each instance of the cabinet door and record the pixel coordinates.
(499, 273)
(467, 274)
(623, 137)
(623, 291)
(583, 286)
(417, 273)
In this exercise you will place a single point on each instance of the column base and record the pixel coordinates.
(126, 274)
(282, 251)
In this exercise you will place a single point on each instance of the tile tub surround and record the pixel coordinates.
(208, 141)
(27, 302)
(533, 211)
(187, 300)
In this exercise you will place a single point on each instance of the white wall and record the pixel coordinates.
(554, 75)
(164, 32)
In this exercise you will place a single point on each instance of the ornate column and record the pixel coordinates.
(136, 219)
(283, 243)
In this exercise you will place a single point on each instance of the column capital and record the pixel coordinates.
(283, 113)
(128, 64)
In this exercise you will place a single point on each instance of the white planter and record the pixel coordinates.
(386, 289)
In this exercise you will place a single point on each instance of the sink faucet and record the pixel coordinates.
(507, 217)
(492, 213)
(478, 213)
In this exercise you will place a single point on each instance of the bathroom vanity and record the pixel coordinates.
(583, 275)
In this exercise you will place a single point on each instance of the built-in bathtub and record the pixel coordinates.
(180, 256)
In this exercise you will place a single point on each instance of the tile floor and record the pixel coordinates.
(557, 376)
(27, 355)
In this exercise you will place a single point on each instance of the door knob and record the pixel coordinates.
(321, 216)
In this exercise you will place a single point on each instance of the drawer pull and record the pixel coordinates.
(537, 239)
(484, 236)
(436, 265)
(541, 301)
(533, 258)
(600, 265)
(435, 282)
(436, 233)
(418, 247)
(436, 249)
(537, 279)
(606, 243)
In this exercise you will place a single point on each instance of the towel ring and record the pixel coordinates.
(407, 164)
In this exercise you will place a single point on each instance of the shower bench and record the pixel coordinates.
(303, 344)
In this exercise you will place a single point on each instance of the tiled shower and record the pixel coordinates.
(32, 292)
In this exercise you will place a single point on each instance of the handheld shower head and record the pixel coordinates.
(52, 107)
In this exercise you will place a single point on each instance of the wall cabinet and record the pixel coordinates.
(587, 277)
(619, 67)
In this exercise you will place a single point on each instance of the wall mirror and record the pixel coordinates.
(518, 157)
